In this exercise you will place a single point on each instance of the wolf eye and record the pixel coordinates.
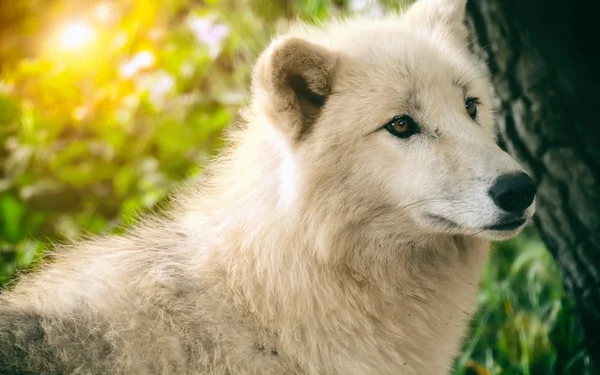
(471, 107)
(402, 126)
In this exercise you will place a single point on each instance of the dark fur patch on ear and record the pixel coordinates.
(309, 101)
(295, 78)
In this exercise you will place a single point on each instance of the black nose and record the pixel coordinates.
(513, 192)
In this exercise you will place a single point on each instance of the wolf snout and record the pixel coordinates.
(513, 192)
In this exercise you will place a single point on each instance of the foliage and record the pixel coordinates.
(106, 106)
(526, 323)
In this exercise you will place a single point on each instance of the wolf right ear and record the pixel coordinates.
(445, 16)
(291, 83)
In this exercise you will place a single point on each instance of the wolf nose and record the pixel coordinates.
(513, 192)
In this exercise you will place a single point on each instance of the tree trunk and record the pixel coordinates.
(539, 53)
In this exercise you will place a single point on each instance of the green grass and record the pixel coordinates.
(526, 324)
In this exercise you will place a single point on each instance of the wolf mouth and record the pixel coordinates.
(509, 225)
(503, 226)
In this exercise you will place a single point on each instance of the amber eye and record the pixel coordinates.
(471, 107)
(402, 126)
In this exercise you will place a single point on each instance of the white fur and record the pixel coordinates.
(302, 256)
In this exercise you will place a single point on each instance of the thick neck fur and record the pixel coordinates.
(317, 270)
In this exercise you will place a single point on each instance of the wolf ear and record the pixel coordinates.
(444, 16)
(291, 82)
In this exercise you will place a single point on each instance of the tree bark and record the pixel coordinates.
(540, 56)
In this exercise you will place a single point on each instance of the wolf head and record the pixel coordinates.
(392, 115)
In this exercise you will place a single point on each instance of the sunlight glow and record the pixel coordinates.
(104, 12)
(76, 35)
(142, 60)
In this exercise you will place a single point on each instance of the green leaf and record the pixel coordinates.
(12, 212)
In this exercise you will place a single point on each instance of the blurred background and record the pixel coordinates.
(106, 106)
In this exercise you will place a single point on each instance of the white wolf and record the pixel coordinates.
(343, 232)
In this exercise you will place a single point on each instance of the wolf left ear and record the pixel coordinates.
(291, 82)
(443, 16)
